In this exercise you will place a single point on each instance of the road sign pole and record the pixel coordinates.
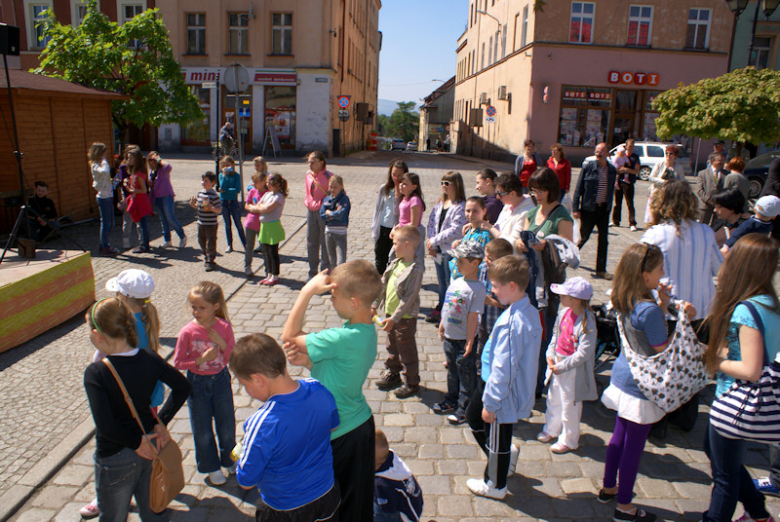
(239, 136)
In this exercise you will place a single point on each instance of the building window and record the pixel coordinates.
(281, 33)
(640, 24)
(78, 10)
(490, 51)
(495, 48)
(524, 37)
(196, 33)
(128, 10)
(762, 46)
(585, 115)
(238, 33)
(482, 61)
(581, 26)
(698, 36)
(35, 18)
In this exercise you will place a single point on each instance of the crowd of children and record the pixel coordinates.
(312, 448)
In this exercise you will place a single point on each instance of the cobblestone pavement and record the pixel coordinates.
(43, 432)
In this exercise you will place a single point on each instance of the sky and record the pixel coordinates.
(419, 38)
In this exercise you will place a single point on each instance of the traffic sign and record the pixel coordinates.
(344, 114)
(236, 78)
(490, 111)
(244, 113)
(490, 119)
(343, 102)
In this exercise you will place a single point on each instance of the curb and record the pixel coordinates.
(17, 496)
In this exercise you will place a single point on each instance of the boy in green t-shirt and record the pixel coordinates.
(401, 299)
(340, 359)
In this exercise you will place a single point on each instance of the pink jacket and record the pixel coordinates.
(316, 191)
(194, 341)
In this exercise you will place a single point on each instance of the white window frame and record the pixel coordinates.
(640, 20)
(198, 29)
(239, 29)
(120, 9)
(75, 19)
(29, 5)
(283, 30)
(582, 16)
(707, 24)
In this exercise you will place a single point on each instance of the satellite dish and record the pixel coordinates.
(236, 78)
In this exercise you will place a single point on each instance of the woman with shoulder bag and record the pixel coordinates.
(123, 453)
(745, 304)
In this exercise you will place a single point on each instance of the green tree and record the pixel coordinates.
(403, 122)
(743, 106)
(134, 59)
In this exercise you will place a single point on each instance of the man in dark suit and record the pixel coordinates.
(772, 188)
(708, 182)
(592, 202)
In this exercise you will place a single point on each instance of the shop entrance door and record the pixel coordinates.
(624, 126)
(244, 103)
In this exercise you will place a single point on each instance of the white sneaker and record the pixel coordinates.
(166, 244)
(633, 228)
(514, 453)
(232, 469)
(478, 487)
(217, 478)
(183, 242)
(228, 249)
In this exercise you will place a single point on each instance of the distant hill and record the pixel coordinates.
(387, 107)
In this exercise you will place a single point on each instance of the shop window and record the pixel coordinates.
(698, 35)
(238, 33)
(196, 33)
(581, 25)
(759, 58)
(648, 122)
(197, 132)
(585, 115)
(36, 16)
(281, 33)
(280, 113)
(640, 24)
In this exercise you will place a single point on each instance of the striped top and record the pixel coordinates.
(208, 218)
(601, 193)
(691, 261)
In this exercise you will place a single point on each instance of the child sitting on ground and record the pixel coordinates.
(402, 281)
(570, 361)
(766, 210)
(463, 302)
(505, 392)
(397, 495)
(287, 455)
(340, 358)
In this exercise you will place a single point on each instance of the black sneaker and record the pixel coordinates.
(640, 516)
(406, 391)
(389, 380)
(443, 407)
(606, 498)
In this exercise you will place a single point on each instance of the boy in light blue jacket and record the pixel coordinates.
(505, 391)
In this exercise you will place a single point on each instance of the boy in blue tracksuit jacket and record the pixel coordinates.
(505, 392)
(335, 213)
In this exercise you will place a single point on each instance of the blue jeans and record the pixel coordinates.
(120, 477)
(168, 218)
(212, 398)
(461, 373)
(443, 275)
(143, 231)
(106, 208)
(731, 482)
(231, 209)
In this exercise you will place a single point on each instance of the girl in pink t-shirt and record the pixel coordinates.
(252, 220)
(570, 361)
(203, 349)
(411, 208)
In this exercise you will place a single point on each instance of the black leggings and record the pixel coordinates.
(382, 249)
(271, 258)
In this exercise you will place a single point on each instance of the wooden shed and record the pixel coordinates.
(57, 122)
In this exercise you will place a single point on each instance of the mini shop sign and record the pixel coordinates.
(636, 78)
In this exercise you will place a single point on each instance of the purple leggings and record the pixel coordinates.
(623, 454)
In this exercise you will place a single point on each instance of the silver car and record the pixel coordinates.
(650, 153)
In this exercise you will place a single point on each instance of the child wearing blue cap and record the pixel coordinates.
(570, 361)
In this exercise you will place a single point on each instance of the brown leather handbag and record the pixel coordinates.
(167, 478)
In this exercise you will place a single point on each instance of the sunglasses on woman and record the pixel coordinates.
(446, 183)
